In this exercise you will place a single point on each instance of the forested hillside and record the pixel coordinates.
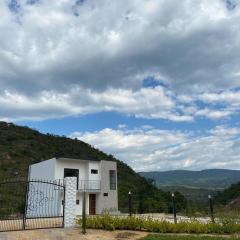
(230, 196)
(21, 146)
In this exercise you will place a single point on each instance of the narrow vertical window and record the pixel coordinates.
(112, 176)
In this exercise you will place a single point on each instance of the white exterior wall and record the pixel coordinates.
(94, 179)
(94, 165)
(79, 207)
(43, 170)
(84, 167)
(62, 163)
(44, 200)
(53, 169)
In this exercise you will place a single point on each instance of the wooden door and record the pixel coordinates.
(92, 204)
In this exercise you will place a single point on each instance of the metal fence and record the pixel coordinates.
(31, 204)
(172, 209)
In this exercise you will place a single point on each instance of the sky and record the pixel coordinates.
(156, 83)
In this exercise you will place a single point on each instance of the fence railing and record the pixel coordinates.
(89, 185)
(147, 205)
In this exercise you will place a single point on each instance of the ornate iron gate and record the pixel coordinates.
(31, 204)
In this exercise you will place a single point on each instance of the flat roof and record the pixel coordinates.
(79, 159)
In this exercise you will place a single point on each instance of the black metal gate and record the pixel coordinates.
(31, 204)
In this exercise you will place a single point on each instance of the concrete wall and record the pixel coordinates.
(43, 170)
(62, 163)
(43, 198)
(79, 207)
(110, 202)
(94, 165)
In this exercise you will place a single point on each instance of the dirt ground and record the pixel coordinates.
(7, 225)
(70, 234)
(75, 234)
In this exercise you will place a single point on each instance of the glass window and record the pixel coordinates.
(94, 171)
(112, 175)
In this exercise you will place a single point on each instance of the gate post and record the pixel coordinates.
(70, 201)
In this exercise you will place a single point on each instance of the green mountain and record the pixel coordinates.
(22, 146)
(206, 179)
(197, 195)
(230, 196)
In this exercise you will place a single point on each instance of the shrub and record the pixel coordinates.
(175, 237)
(108, 222)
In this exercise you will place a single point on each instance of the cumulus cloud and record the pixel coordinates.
(155, 149)
(230, 97)
(100, 44)
(150, 103)
(147, 102)
(62, 58)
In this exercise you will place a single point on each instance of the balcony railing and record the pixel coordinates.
(89, 185)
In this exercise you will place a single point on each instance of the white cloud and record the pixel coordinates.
(156, 149)
(194, 44)
(213, 114)
(59, 59)
(148, 103)
(229, 97)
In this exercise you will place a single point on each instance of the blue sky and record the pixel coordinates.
(155, 83)
(98, 121)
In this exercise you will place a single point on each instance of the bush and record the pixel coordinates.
(108, 222)
(161, 237)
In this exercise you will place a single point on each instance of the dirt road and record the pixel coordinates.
(71, 234)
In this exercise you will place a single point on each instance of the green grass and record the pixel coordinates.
(175, 237)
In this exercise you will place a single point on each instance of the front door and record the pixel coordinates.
(92, 204)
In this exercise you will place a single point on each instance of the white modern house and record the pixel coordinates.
(97, 178)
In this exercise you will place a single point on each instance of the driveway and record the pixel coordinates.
(70, 234)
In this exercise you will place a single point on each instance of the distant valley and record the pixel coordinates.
(207, 179)
(194, 185)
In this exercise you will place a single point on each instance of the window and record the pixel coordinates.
(112, 176)
(105, 194)
(69, 172)
(77, 201)
(94, 171)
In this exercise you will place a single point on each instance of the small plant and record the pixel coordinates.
(108, 222)
(174, 237)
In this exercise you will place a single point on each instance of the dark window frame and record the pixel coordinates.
(113, 179)
(94, 171)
